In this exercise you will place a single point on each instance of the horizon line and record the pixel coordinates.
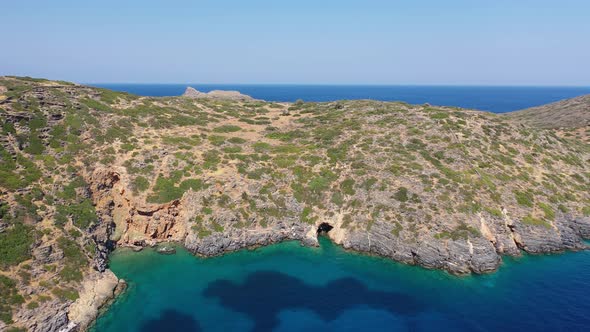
(503, 85)
(347, 84)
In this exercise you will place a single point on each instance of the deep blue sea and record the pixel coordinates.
(286, 287)
(493, 99)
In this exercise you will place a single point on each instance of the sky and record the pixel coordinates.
(402, 42)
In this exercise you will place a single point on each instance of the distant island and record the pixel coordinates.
(85, 170)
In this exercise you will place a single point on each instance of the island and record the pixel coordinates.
(84, 170)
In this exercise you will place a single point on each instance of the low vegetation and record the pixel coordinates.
(415, 171)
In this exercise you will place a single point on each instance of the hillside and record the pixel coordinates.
(83, 170)
(570, 117)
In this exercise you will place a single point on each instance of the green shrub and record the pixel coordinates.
(530, 220)
(548, 210)
(236, 140)
(216, 140)
(217, 227)
(210, 159)
(396, 229)
(306, 215)
(261, 147)
(462, 231)
(15, 245)
(439, 115)
(9, 297)
(36, 145)
(65, 294)
(74, 260)
(83, 214)
(32, 305)
(140, 183)
(232, 149)
(166, 190)
(494, 212)
(337, 198)
(201, 232)
(401, 194)
(194, 184)
(227, 129)
(347, 187)
(94, 104)
(524, 198)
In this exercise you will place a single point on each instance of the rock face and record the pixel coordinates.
(132, 222)
(48, 254)
(95, 294)
(235, 239)
(53, 317)
(56, 316)
(216, 94)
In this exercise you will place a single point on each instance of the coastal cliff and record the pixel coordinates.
(85, 170)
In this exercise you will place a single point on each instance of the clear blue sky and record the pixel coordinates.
(480, 42)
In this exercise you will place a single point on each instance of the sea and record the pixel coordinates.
(495, 99)
(287, 287)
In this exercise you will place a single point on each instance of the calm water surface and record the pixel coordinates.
(287, 287)
(493, 99)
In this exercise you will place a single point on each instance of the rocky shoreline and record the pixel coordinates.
(457, 257)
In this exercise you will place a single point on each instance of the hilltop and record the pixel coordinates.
(570, 117)
(83, 170)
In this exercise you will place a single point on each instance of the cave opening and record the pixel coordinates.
(324, 228)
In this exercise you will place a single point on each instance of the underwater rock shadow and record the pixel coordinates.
(171, 320)
(265, 294)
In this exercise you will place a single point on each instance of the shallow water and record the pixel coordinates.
(286, 287)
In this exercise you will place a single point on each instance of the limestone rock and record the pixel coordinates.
(48, 254)
(95, 293)
(50, 317)
(194, 93)
(216, 94)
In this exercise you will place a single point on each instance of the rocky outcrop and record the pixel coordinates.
(564, 235)
(51, 317)
(194, 93)
(235, 239)
(216, 94)
(456, 256)
(581, 225)
(48, 254)
(96, 292)
(137, 224)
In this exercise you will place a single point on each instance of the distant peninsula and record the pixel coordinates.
(85, 170)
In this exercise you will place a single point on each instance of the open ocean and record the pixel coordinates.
(486, 98)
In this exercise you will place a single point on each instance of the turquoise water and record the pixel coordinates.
(286, 287)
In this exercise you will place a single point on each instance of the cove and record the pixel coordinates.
(287, 287)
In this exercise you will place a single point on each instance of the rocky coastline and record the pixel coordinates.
(438, 187)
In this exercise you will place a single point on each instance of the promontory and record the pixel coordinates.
(84, 170)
